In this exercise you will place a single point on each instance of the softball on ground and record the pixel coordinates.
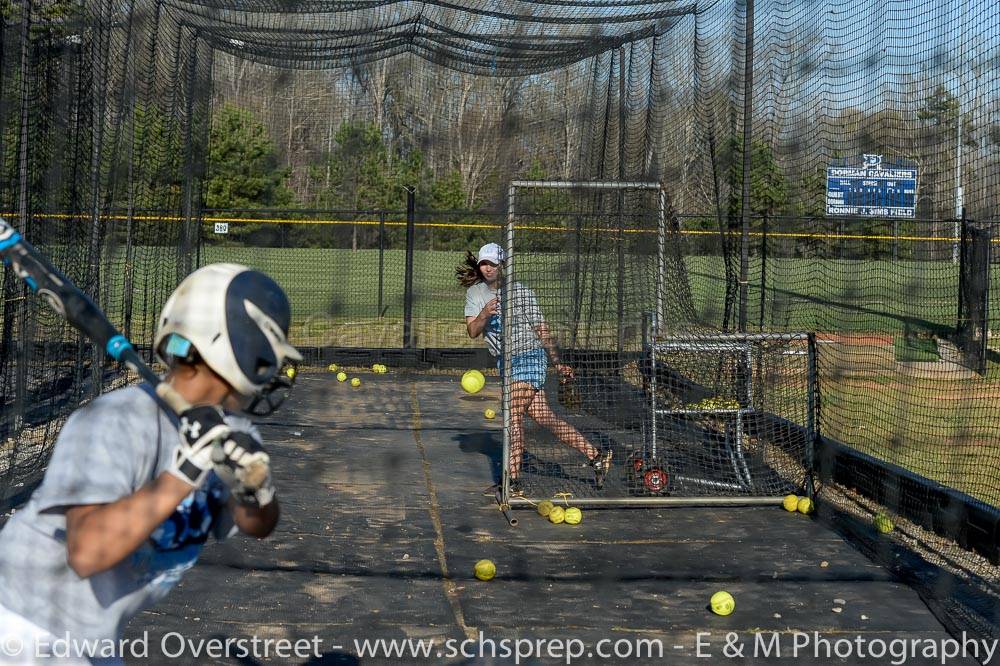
(485, 570)
(489, 413)
(573, 516)
(473, 381)
(883, 523)
(557, 515)
(341, 376)
(355, 382)
(332, 367)
(722, 603)
(791, 503)
(806, 506)
(544, 508)
(290, 372)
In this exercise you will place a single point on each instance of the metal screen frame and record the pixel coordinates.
(508, 313)
(738, 343)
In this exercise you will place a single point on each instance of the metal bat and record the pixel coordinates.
(83, 314)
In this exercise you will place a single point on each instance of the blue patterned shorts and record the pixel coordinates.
(530, 367)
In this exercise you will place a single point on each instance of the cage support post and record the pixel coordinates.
(747, 147)
(661, 250)
(620, 291)
(189, 154)
(507, 304)
(763, 273)
(812, 415)
(20, 318)
(408, 272)
(381, 260)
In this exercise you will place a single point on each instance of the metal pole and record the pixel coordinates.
(22, 200)
(701, 342)
(812, 414)
(129, 222)
(962, 306)
(650, 502)
(93, 276)
(763, 273)
(133, 159)
(988, 230)
(959, 198)
(381, 259)
(653, 400)
(189, 156)
(895, 239)
(507, 304)
(20, 320)
(199, 239)
(588, 184)
(3, 115)
(578, 272)
(620, 292)
(747, 147)
(408, 273)
(661, 240)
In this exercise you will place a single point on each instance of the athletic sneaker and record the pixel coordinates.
(602, 465)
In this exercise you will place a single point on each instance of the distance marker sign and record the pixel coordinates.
(871, 190)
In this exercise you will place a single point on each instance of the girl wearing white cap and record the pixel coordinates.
(529, 342)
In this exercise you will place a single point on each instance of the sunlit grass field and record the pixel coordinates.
(940, 426)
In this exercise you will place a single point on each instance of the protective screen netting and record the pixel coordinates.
(128, 130)
(687, 413)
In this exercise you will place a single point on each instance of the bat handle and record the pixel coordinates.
(120, 349)
(172, 397)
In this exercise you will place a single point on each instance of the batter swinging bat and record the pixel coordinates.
(83, 314)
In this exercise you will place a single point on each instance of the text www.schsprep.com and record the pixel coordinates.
(519, 649)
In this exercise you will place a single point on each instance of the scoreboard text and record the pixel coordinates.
(871, 190)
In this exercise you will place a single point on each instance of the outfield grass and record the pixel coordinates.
(942, 428)
(945, 430)
(799, 294)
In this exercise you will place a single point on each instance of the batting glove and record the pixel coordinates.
(243, 464)
(200, 429)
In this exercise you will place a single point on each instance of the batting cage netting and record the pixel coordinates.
(745, 328)
(684, 413)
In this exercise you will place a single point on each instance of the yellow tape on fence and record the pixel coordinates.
(518, 227)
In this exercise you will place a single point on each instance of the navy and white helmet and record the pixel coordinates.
(235, 320)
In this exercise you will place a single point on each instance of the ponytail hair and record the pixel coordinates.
(467, 273)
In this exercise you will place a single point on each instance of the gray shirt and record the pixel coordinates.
(107, 450)
(527, 316)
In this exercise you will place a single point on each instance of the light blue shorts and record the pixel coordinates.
(530, 367)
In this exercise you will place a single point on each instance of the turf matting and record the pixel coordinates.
(384, 516)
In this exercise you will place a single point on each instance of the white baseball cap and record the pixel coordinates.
(492, 253)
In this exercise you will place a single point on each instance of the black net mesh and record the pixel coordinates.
(130, 130)
(684, 410)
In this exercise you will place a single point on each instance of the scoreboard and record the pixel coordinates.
(871, 190)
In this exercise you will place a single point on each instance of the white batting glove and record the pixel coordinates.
(243, 464)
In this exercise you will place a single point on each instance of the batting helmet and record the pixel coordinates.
(236, 321)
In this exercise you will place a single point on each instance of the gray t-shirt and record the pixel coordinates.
(527, 315)
(107, 450)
